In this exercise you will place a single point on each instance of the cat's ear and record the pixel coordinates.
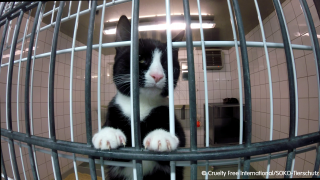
(178, 37)
(123, 29)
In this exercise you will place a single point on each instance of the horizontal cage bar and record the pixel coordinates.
(273, 146)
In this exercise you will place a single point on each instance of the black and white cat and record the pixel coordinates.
(154, 111)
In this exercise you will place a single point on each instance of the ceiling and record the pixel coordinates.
(217, 8)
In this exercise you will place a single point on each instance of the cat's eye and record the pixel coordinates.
(142, 61)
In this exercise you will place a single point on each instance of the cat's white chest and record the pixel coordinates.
(146, 105)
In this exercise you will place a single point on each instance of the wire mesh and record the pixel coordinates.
(242, 154)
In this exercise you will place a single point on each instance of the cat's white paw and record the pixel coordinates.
(109, 138)
(160, 140)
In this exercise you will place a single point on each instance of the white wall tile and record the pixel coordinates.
(274, 24)
(301, 69)
(284, 89)
(302, 24)
(313, 126)
(285, 124)
(276, 122)
(267, 29)
(49, 36)
(313, 86)
(313, 108)
(311, 66)
(276, 106)
(275, 74)
(288, 12)
(273, 58)
(293, 29)
(277, 37)
(303, 108)
(296, 8)
(303, 87)
(284, 107)
(283, 74)
(281, 58)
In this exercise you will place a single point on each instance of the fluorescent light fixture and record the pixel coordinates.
(160, 15)
(174, 26)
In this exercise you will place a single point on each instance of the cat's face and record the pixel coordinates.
(153, 70)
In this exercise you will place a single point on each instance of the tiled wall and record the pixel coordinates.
(219, 87)
(306, 79)
(61, 95)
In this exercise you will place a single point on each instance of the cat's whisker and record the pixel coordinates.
(120, 78)
(121, 82)
(124, 86)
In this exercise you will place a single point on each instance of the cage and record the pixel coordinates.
(55, 96)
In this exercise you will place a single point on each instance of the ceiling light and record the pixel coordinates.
(174, 26)
(161, 15)
(158, 22)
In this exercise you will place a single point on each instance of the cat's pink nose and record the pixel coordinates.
(156, 77)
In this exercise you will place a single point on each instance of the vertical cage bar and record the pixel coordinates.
(247, 86)
(2, 41)
(12, 4)
(70, 3)
(170, 83)
(134, 163)
(52, 67)
(99, 81)
(316, 53)
(192, 89)
(170, 68)
(270, 80)
(13, 160)
(26, 96)
(204, 63)
(134, 88)
(8, 34)
(88, 87)
(2, 7)
(31, 85)
(52, 15)
(3, 167)
(71, 88)
(18, 90)
(9, 95)
(292, 127)
(239, 80)
(292, 83)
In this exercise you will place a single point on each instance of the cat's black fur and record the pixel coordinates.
(158, 118)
